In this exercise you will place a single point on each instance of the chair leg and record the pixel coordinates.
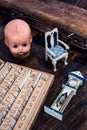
(65, 62)
(54, 65)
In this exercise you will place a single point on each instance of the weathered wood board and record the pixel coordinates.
(51, 13)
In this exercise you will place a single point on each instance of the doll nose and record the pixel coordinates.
(20, 48)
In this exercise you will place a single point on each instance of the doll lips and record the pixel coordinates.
(21, 53)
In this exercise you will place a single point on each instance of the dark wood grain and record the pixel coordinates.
(75, 115)
(57, 13)
(41, 17)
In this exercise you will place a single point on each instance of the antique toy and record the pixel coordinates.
(18, 38)
(55, 49)
(22, 92)
(69, 90)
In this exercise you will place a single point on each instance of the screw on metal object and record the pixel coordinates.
(16, 14)
(85, 45)
(75, 41)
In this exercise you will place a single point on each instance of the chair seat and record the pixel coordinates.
(58, 51)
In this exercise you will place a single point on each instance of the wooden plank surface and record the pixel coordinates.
(52, 13)
(75, 116)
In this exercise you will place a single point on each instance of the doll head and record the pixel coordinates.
(18, 38)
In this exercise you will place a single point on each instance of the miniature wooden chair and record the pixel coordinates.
(52, 48)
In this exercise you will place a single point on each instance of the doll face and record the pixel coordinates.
(18, 38)
(20, 48)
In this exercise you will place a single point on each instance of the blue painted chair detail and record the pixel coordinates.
(58, 51)
(55, 49)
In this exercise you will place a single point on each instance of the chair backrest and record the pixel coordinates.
(51, 38)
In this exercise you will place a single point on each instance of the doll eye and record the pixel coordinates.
(15, 46)
(24, 44)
